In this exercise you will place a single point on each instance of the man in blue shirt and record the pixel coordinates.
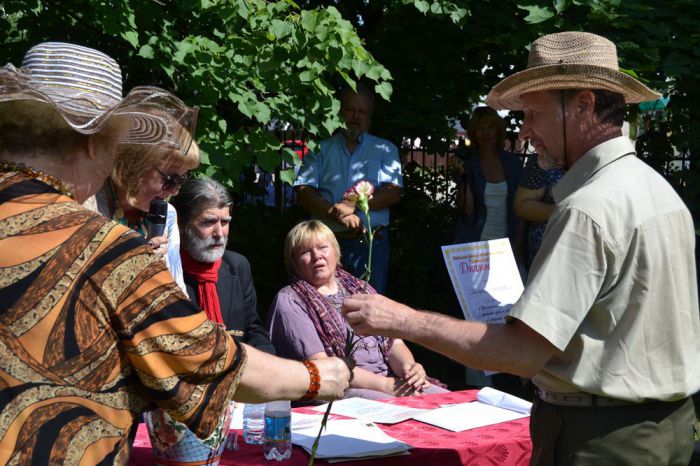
(350, 156)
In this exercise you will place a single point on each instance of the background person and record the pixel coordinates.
(608, 324)
(94, 329)
(218, 280)
(488, 180)
(305, 319)
(354, 155)
(534, 203)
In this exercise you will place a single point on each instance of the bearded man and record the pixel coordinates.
(218, 280)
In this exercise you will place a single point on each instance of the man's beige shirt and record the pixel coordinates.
(613, 286)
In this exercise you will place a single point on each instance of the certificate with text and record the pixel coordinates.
(485, 277)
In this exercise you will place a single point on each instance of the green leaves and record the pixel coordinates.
(254, 66)
(249, 65)
(146, 51)
(422, 6)
(537, 14)
(384, 89)
(132, 37)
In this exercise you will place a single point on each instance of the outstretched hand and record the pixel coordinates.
(373, 314)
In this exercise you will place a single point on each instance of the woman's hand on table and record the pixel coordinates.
(414, 375)
(397, 386)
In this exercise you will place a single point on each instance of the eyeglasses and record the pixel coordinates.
(170, 181)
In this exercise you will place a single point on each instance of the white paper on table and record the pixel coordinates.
(303, 421)
(348, 438)
(371, 410)
(494, 397)
(465, 416)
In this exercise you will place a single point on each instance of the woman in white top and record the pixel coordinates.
(488, 179)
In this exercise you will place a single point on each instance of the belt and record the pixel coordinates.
(582, 399)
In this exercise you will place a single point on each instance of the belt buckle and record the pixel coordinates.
(566, 399)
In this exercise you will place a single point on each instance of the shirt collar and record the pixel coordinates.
(360, 141)
(589, 163)
(360, 138)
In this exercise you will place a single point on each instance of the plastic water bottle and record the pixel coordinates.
(254, 423)
(278, 430)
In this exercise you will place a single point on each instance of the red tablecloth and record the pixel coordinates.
(500, 444)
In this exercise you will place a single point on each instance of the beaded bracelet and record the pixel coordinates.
(314, 382)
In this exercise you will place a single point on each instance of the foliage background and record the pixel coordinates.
(253, 65)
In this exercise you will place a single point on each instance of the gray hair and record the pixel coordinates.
(197, 195)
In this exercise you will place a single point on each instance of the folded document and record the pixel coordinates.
(492, 407)
(494, 397)
(346, 438)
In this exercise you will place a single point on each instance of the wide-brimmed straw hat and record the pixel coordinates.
(85, 87)
(569, 60)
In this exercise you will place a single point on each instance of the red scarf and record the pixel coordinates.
(206, 275)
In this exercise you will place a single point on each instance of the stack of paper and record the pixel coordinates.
(344, 438)
(491, 407)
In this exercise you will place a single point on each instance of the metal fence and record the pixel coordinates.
(432, 169)
(430, 172)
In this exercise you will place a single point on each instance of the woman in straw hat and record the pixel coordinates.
(608, 326)
(93, 328)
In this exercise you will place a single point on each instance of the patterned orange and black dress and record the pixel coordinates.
(93, 330)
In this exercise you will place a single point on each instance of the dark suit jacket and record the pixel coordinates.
(238, 301)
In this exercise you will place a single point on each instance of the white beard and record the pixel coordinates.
(198, 247)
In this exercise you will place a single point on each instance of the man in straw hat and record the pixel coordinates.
(93, 328)
(608, 326)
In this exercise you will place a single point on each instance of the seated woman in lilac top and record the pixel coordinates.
(306, 323)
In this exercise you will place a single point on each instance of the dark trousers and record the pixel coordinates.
(652, 434)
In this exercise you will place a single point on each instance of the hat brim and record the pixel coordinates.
(506, 94)
(152, 112)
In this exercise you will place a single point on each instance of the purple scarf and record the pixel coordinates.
(321, 311)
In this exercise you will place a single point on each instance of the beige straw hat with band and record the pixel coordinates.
(569, 60)
(85, 87)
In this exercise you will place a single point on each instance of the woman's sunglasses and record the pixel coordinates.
(170, 181)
